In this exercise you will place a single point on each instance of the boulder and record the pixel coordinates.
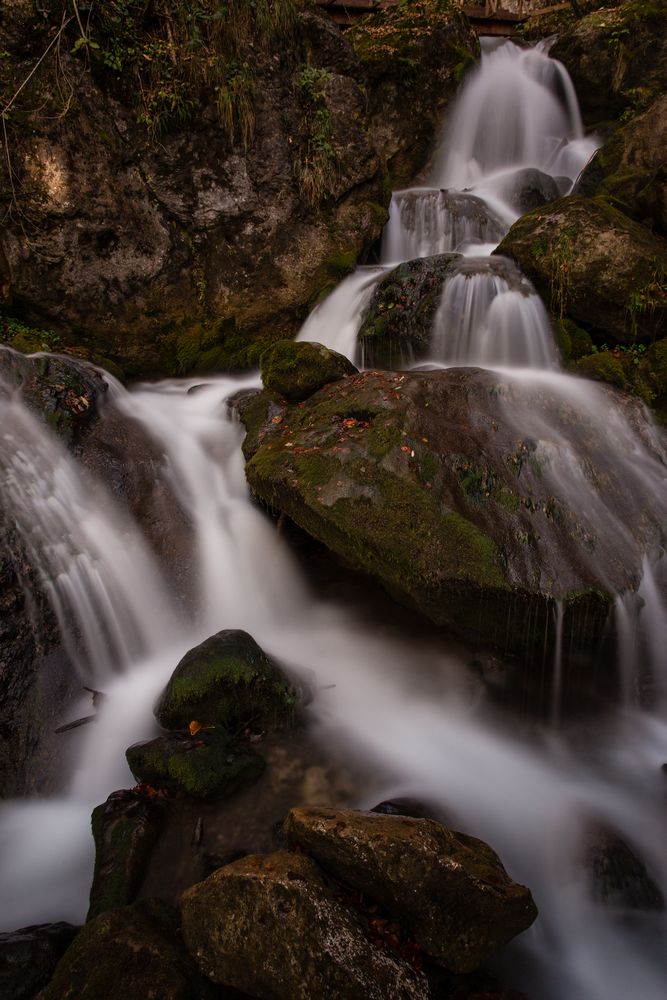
(594, 265)
(125, 828)
(208, 765)
(630, 171)
(448, 891)
(617, 58)
(29, 956)
(133, 951)
(530, 188)
(272, 927)
(297, 370)
(398, 323)
(226, 681)
(446, 487)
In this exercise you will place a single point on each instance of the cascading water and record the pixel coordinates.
(534, 793)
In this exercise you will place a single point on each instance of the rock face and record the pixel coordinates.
(618, 878)
(133, 951)
(397, 327)
(29, 956)
(296, 371)
(226, 681)
(271, 926)
(125, 829)
(441, 485)
(594, 265)
(448, 891)
(616, 57)
(630, 171)
(208, 765)
(182, 221)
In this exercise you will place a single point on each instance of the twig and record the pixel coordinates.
(37, 64)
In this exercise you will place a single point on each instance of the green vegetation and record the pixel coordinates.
(163, 55)
(316, 168)
(27, 339)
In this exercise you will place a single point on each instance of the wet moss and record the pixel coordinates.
(297, 370)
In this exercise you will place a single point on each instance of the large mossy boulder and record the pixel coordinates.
(29, 956)
(454, 489)
(449, 892)
(206, 765)
(229, 682)
(595, 266)
(630, 170)
(617, 57)
(413, 57)
(125, 828)
(132, 951)
(297, 370)
(398, 323)
(272, 927)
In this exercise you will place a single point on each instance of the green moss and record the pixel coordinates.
(573, 342)
(393, 35)
(207, 766)
(297, 370)
(27, 339)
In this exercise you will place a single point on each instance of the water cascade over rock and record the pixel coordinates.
(403, 701)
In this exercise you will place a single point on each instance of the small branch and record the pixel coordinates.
(37, 65)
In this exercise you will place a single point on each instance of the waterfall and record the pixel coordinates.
(398, 701)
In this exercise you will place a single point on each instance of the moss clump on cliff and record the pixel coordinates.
(393, 35)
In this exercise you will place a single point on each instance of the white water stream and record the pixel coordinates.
(531, 791)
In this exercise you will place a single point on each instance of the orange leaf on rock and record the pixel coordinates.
(194, 727)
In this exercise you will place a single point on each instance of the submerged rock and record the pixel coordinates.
(297, 370)
(133, 951)
(618, 878)
(125, 828)
(452, 489)
(29, 956)
(208, 765)
(594, 265)
(272, 927)
(448, 891)
(398, 324)
(226, 681)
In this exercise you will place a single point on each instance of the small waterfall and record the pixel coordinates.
(490, 316)
(335, 322)
(427, 221)
(93, 565)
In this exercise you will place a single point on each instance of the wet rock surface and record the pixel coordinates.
(125, 828)
(226, 681)
(272, 927)
(297, 370)
(29, 956)
(435, 483)
(449, 892)
(595, 265)
(618, 877)
(132, 951)
(205, 765)
(397, 327)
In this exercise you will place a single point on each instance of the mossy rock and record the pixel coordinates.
(397, 327)
(125, 828)
(208, 765)
(130, 952)
(226, 681)
(604, 366)
(297, 370)
(594, 266)
(573, 341)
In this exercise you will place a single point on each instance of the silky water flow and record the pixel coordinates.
(532, 792)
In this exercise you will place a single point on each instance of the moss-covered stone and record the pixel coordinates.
(616, 56)
(467, 908)
(397, 327)
(132, 951)
(228, 682)
(595, 266)
(272, 926)
(125, 829)
(208, 765)
(463, 526)
(297, 370)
